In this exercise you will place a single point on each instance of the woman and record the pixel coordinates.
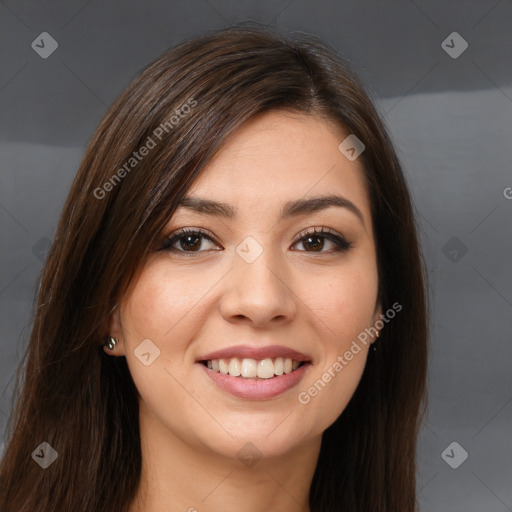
(232, 315)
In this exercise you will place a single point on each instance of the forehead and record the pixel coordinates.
(278, 157)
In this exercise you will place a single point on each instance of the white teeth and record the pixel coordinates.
(223, 366)
(265, 369)
(278, 366)
(251, 368)
(234, 367)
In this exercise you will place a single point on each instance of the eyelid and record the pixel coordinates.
(313, 230)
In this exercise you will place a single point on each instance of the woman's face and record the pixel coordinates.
(253, 290)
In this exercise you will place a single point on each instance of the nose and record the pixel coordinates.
(259, 293)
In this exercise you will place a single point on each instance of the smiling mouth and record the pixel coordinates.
(247, 368)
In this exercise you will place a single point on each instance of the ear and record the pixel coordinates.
(115, 330)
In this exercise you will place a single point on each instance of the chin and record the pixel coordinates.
(259, 437)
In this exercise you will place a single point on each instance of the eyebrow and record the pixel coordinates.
(290, 209)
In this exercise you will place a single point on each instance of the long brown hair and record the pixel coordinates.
(83, 403)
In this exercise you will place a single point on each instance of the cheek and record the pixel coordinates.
(160, 304)
(345, 303)
(355, 303)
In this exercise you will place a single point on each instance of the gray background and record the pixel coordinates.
(451, 120)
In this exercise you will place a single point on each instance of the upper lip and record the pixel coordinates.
(258, 353)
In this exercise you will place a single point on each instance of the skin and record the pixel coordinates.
(315, 301)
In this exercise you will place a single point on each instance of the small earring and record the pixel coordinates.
(111, 343)
(374, 347)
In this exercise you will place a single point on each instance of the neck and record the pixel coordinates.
(177, 476)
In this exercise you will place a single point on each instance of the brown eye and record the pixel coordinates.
(187, 241)
(316, 241)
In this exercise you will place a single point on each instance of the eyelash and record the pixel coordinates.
(341, 243)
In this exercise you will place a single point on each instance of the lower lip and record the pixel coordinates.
(257, 389)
